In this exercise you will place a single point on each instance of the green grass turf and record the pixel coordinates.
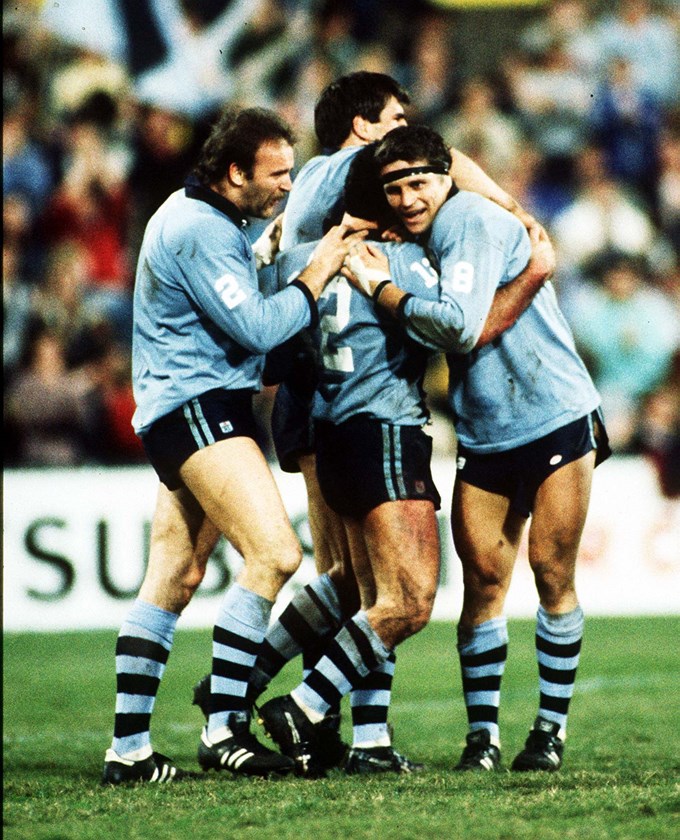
(620, 779)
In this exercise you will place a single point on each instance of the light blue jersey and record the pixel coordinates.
(529, 381)
(366, 364)
(316, 192)
(200, 321)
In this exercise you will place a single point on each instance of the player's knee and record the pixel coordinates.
(286, 558)
(484, 579)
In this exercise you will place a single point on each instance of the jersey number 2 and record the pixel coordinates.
(334, 357)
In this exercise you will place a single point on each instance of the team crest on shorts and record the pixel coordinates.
(226, 427)
(420, 487)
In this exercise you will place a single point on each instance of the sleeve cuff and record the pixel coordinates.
(401, 315)
(313, 308)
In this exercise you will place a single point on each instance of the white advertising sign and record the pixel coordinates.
(75, 546)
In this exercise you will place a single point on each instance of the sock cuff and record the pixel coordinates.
(485, 636)
(247, 607)
(560, 625)
(153, 620)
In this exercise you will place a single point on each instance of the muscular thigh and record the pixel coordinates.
(235, 487)
(486, 530)
(402, 542)
(560, 510)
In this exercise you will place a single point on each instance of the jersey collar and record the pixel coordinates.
(193, 188)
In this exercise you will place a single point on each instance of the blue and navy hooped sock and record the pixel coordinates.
(558, 649)
(370, 703)
(355, 650)
(483, 654)
(237, 639)
(313, 614)
(142, 651)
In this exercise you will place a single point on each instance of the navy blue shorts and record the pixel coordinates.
(518, 473)
(363, 462)
(216, 415)
(292, 427)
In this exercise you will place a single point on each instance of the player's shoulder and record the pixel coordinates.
(472, 214)
(183, 221)
(325, 166)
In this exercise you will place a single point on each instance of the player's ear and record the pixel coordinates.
(363, 128)
(236, 175)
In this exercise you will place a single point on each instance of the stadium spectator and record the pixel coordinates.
(626, 121)
(50, 408)
(529, 432)
(198, 308)
(628, 333)
(481, 130)
(551, 100)
(602, 216)
(649, 40)
(668, 185)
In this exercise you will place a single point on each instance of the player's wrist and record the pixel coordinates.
(378, 288)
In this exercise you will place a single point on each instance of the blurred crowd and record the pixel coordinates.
(577, 116)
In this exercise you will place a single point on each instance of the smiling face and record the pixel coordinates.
(269, 181)
(416, 197)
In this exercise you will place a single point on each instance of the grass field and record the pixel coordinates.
(621, 777)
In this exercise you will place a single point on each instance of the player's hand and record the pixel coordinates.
(330, 252)
(365, 266)
(266, 246)
(356, 223)
(396, 233)
(542, 252)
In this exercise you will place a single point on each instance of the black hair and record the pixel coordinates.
(235, 138)
(412, 143)
(363, 195)
(361, 94)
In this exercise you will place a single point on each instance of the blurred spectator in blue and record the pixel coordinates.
(628, 333)
(433, 76)
(17, 307)
(626, 120)
(26, 169)
(524, 179)
(551, 99)
(571, 23)
(648, 40)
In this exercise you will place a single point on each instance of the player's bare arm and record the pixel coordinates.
(511, 300)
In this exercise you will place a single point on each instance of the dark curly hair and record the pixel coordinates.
(363, 195)
(235, 138)
(361, 94)
(411, 143)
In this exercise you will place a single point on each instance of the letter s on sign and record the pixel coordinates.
(228, 289)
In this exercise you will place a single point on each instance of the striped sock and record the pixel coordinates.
(305, 625)
(355, 650)
(142, 651)
(483, 654)
(558, 647)
(237, 638)
(370, 702)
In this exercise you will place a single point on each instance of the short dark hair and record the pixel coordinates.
(235, 138)
(363, 195)
(361, 94)
(411, 143)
